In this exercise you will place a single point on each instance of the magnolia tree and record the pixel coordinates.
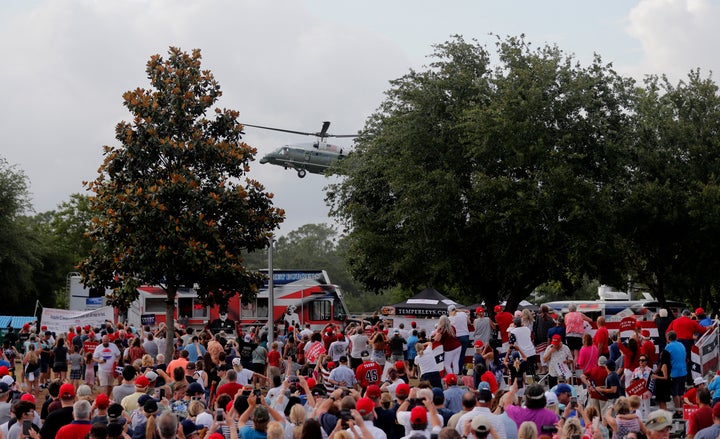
(172, 206)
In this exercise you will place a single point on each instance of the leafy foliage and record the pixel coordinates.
(169, 206)
(487, 182)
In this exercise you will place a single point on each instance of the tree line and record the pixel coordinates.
(488, 175)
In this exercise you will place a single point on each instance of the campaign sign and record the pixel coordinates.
(627, 324)
(147, 319)
(636, 387)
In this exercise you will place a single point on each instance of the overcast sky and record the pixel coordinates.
(285, 63)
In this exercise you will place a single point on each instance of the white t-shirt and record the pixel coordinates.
(359, 344)
(426, 361)
(523, 340)
(110, 354)
(244, 376)
(460, 323)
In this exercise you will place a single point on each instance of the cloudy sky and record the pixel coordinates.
(285, 63)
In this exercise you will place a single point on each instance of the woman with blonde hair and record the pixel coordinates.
(445, 334)
(425, 362)
(297, 417)
(146, 361)
(571, 428)
(527, 430)
(528, 318)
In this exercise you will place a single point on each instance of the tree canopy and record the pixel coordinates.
(170, 205)
(488, 179)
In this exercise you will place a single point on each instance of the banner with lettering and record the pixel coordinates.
(59, 320)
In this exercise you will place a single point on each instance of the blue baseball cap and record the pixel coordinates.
(563, 388)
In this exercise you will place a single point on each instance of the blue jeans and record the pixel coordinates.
(464, 343)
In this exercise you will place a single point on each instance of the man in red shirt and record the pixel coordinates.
(232, 386)
(503, 319)
(80, 425)
(703, 416)
(601, 338)
(595, 376)
(369, 372)
(686, 328)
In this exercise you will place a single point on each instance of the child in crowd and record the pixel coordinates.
(89, 369)
(76, 363)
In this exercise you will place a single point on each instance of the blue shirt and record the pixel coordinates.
(453, 398)
(411, 346)
(678, 367)
(248, 432)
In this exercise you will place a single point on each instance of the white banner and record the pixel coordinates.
(59, 320)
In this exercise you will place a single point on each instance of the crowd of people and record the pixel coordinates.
(524, 375)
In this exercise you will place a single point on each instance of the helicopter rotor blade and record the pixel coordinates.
(323, 131)
(322, 134)
(279, 129)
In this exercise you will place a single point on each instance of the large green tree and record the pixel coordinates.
(171, 207)
(670, 216)
(19, 249)
(484, 180)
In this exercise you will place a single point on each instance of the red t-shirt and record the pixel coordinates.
(686, 328)
(367, 373)
(274, 358)
(648, 349)
(701, 418)
(504, 319)
(74, 430)
(229, 388)
(691, 395)
(597, 375)
(602, 337)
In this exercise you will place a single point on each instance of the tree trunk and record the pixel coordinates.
(170, 322)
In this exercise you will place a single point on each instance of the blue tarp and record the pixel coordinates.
(14, 321)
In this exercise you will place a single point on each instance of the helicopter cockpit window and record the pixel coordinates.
(284, 150)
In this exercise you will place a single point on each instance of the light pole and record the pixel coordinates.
(271, 295)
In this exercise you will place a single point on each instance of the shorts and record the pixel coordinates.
(574, 343)
(394, 358)
(106, 378)
(59, 367)
(677, 385)
(258, 368)
(76, 374)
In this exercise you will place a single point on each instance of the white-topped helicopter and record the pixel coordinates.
(314, 157)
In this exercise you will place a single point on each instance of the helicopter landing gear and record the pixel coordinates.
(302, 173)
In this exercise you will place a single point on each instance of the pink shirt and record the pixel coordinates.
(587, 357)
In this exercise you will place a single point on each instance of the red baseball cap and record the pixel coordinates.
(67, 391)
(418, 415)
(78, 329)
(556, 339)
(26, 326)
(373, 392)
(43, 328)
(498, 308)
(699, 311)
(451, 379)
(400, 365)
(102, 401)
(4, 371)
(413, 324)
(290, 329)
(645, 333)
(479, 310)
(365, 406)
(311, 382)
(331, 365)
(478, 343)
(402, 389)
(29, 398)
(142, 381)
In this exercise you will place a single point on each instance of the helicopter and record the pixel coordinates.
(314, 157)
